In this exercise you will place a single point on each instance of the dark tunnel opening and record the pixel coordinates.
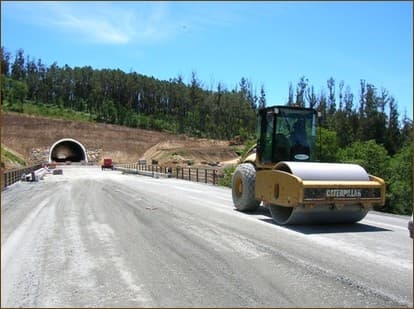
(68, 151)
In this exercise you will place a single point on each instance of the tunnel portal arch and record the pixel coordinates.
(67, 149)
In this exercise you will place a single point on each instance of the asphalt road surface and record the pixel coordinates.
(92, 238)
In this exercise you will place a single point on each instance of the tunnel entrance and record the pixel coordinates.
(67, 149)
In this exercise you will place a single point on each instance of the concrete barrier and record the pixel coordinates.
(35, 175)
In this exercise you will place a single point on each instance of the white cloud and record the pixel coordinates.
(124, 22)
(90, 22)
(98, 22)
(95, 29)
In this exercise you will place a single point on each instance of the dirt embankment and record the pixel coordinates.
(30, 135)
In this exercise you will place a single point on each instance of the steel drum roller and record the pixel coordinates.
(320, 214)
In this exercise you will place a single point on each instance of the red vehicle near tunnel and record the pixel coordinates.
(107, 163)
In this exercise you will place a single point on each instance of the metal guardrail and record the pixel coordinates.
(10, 177)
(205, 175)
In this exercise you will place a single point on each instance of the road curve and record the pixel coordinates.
(92, 238)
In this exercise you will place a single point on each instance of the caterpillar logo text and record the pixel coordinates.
(343, 193)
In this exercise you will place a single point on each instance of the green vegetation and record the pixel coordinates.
(131, 99)
(227, 176)
(400, 182)
(372, 156)
(8, 156)
(46, 110)
(228, 171)
(363, 128)
(395, 170)
(326, 145)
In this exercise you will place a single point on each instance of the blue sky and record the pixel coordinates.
(270, 43)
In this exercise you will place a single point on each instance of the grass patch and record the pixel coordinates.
(10, 157)
(227, 176)
(51, 111)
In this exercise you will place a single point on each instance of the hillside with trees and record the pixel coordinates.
(364, 128)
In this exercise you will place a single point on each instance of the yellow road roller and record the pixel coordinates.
(282, 172)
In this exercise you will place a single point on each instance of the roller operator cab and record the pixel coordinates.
(285, 134)
(281, 171)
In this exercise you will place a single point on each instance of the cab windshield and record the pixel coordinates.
(287, 134)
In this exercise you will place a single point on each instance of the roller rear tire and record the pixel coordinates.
(243, 187)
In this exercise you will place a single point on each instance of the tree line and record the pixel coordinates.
(364, 128)
(132, 99)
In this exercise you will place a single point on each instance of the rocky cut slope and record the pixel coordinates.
(33, 136)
